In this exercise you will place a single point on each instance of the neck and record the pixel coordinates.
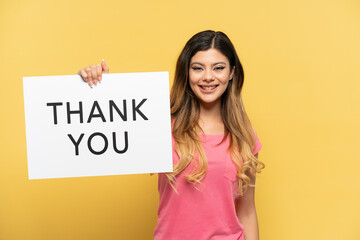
(210, 118)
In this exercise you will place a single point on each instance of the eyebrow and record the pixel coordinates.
(211, 64)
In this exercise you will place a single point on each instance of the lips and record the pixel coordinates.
(208, 87)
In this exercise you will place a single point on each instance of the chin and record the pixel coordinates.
(209, 102)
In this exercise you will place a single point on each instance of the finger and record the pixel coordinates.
(83, 75)
(99, 72)
(94, 73)
(104, 67)
(89, 74)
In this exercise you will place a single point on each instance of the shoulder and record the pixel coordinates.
(257, 145)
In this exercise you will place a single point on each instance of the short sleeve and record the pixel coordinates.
(258, 145)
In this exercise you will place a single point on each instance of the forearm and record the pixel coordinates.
(251, 231)
(246, 212)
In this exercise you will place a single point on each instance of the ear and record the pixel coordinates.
(232, 73)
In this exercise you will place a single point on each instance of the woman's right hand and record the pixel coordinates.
(93, 74)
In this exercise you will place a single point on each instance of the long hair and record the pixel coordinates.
(185, 112)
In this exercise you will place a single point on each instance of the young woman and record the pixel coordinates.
(210, 193)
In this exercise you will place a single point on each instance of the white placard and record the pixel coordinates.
(121, 126)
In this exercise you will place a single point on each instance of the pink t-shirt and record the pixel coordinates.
(206, 213)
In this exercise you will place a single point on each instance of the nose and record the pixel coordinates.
(208, 76)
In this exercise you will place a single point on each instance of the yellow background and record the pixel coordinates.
(302, 93)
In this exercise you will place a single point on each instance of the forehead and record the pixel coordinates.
(211, 55)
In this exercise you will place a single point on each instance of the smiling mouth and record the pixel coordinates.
(208, 87)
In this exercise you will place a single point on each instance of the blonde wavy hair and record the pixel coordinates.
(185, 112)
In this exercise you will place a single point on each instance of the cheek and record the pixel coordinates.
(224, 87)
(193, 78)
(193, 81)
(193, 86)
(225, 82)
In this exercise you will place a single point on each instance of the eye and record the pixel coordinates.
(196, 68)
(219, 68)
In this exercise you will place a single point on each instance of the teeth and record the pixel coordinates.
(208, 88)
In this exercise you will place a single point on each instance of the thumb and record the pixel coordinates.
(104, 67)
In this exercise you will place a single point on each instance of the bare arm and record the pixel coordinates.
(246, 212)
